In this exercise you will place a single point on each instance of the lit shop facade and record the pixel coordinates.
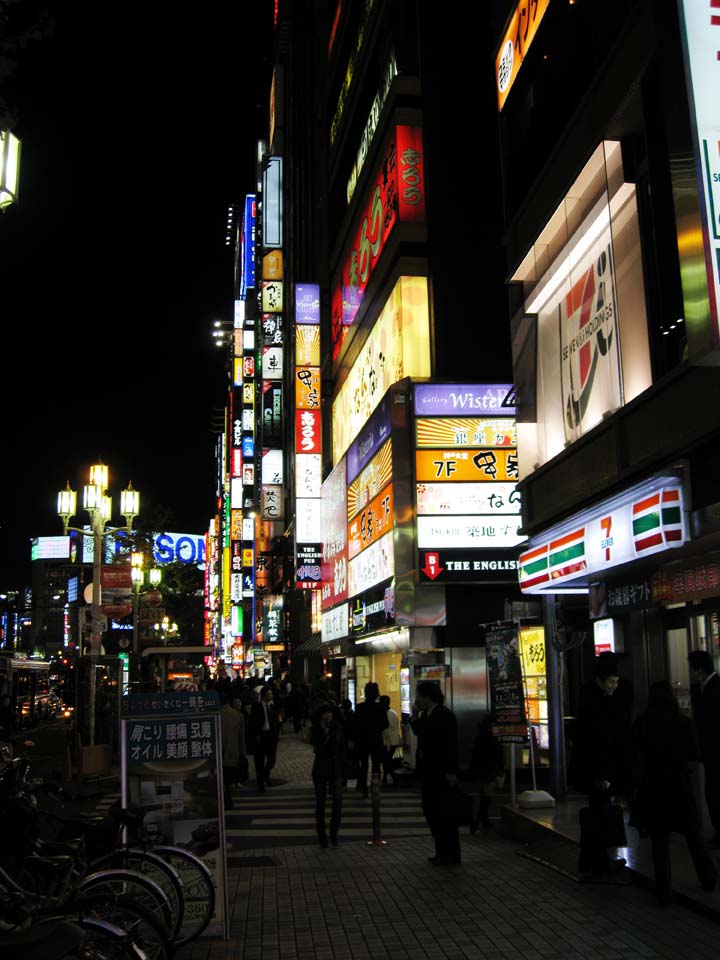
(420, 519)
(613, 262)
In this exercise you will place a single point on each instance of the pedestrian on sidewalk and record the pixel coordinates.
(436, 728)
(392, 741)
(665, 801)
(263, 734)
(328, 743)
(232, 733)
(487, 765)
(370, 721)
(600, 764)
(705, 694)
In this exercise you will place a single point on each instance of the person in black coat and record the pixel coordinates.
(263, 733)
(487, 764)
(328, 742)
(436, 728)
(705, 694)
(370, 721)
(600, 763)
(665, 801)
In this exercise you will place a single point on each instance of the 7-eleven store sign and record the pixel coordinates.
(642, 521)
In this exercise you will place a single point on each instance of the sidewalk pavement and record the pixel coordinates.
(359, 901)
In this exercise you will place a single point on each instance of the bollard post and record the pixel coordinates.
(376, 841)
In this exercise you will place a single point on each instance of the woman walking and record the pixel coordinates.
(328, 742)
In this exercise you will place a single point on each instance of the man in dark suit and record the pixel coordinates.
(263, 733)
(436, 728)
(600, 765)
(370, 721)
(705, 694)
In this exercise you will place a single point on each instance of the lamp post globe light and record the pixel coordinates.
(98, 505)
(137, 573)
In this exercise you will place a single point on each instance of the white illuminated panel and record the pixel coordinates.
(248, 528)
(308, 474)
(272, 466)
(485, 532)
(307, 521)
(335, 623)
(236, 493)
(445, 499)
(50, 548)
(373, 565)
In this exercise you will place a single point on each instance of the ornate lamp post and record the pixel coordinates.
(98, 505)
(138, 580)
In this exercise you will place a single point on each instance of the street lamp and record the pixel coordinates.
(98, 505)
(137, 573)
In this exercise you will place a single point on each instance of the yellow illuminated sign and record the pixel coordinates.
(520, 33)
(398, 346)
(436, 466)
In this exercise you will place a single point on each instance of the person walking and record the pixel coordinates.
(232, 732)
(370, 721)
(487, 764)
(263, 735)
(328, 742)
(705, 696)
(436, 729)
(392, 741)
(600, 765)
(666, 749)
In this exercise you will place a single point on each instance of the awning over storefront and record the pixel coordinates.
(312, 647)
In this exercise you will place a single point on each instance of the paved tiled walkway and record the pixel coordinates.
(359, 902)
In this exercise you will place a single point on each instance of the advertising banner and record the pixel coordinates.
(272, 406)
(464, 399)
(307, 388)
(171, 761)
(445, 499)
(373, 522)
(307, 346)
(372, 611)
(308, 565)
(468, 531)
(637, 523)
(700, 23)
(589, 343)
(372, 436)
(335, 623)
(398, 346)
(465, 432)
(308, 431)
(307, 303)
(393, 194)
(374, 478)
(478, 465)
(507, 695)
(372, 566)
(334, 537)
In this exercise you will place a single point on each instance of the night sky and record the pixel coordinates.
(138, 127)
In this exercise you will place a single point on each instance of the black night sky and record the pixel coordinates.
(138, 127)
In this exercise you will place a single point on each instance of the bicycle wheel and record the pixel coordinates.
(114, 883)
(150, 865)
(105, 941)
(198, 888)
(140, 923)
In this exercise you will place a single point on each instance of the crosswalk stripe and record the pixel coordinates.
(307, 832)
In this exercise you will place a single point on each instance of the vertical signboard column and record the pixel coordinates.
(171, 763)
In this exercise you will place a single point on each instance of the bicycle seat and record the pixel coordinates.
(72, 848)
(132, 816)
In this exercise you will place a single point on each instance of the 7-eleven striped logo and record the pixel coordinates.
(534, 567)
(657, 521)
(567, 554)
